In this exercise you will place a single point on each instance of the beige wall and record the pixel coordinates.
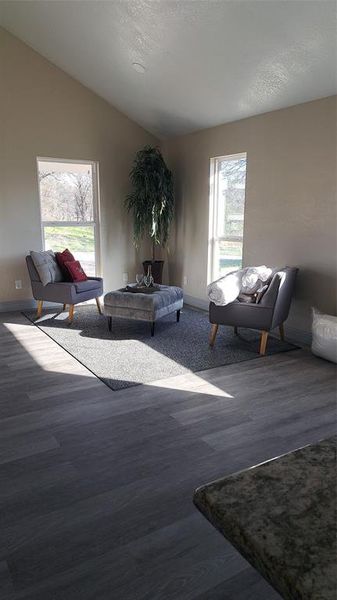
(291, 181)
(44, 112)
(290, 216)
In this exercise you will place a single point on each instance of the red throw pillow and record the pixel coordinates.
(75, 270)
(61, 259)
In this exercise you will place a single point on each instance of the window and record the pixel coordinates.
(226, 219)
(69, 209)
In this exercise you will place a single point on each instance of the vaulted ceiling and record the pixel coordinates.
(206, 61)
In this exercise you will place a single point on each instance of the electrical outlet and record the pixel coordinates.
(185, 280)
(125, 277)
(18, 284)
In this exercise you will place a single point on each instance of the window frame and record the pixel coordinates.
(213, 237)
(96, 206)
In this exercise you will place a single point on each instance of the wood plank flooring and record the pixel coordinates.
(96, 486)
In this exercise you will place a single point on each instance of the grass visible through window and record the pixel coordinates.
(77, 239)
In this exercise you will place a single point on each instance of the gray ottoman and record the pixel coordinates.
(144, 307)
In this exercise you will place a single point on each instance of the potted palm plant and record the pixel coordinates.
(151, 203)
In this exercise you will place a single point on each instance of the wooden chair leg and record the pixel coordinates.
(281, 328)
(64, 307)
(71, 312)
(99, 308)
(178, 316)
(39, 308)
(110, 323)
(236, 330)
(214, 331)
(152, 328)
(263, 342)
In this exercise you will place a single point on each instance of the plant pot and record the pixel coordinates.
(156, 269)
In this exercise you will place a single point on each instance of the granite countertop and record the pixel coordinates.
(281, 516)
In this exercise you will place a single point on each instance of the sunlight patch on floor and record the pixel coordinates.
(50, 358)
(191, 382)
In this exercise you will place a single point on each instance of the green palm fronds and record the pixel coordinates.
(151, 201)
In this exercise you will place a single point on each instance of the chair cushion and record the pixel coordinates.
(46, 266)
(86, 286)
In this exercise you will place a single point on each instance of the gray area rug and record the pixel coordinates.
(128, 355)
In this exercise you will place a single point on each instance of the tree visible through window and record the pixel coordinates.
(227, 204)
(68, 202)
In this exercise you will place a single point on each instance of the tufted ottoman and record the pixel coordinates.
(143, 306)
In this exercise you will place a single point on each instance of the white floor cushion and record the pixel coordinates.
(324, 336)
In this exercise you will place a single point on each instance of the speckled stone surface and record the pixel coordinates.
(281, 516)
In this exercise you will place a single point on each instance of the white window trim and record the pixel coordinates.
(96, 207)
(213, 237)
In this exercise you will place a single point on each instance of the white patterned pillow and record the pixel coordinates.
(46, 266)
(324, 336)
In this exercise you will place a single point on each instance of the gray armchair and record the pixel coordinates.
(64, 292)
(270, 312)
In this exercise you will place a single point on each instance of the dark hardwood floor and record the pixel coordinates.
(96, 486)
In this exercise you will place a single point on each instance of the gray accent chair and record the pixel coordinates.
(272, 310)
(64, 292)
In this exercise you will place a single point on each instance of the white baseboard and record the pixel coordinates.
(197, 302)
(297, 336)
(17, 305)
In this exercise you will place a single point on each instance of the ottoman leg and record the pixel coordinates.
(152, 329)
(178, 316)
(109, 323)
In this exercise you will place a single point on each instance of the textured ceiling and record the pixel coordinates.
(207, 62)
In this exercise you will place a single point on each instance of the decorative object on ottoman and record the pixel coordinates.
(139, 279)
(156, 267)
(151, 203)
(161, 301)
(324, 336)
(148, 279)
